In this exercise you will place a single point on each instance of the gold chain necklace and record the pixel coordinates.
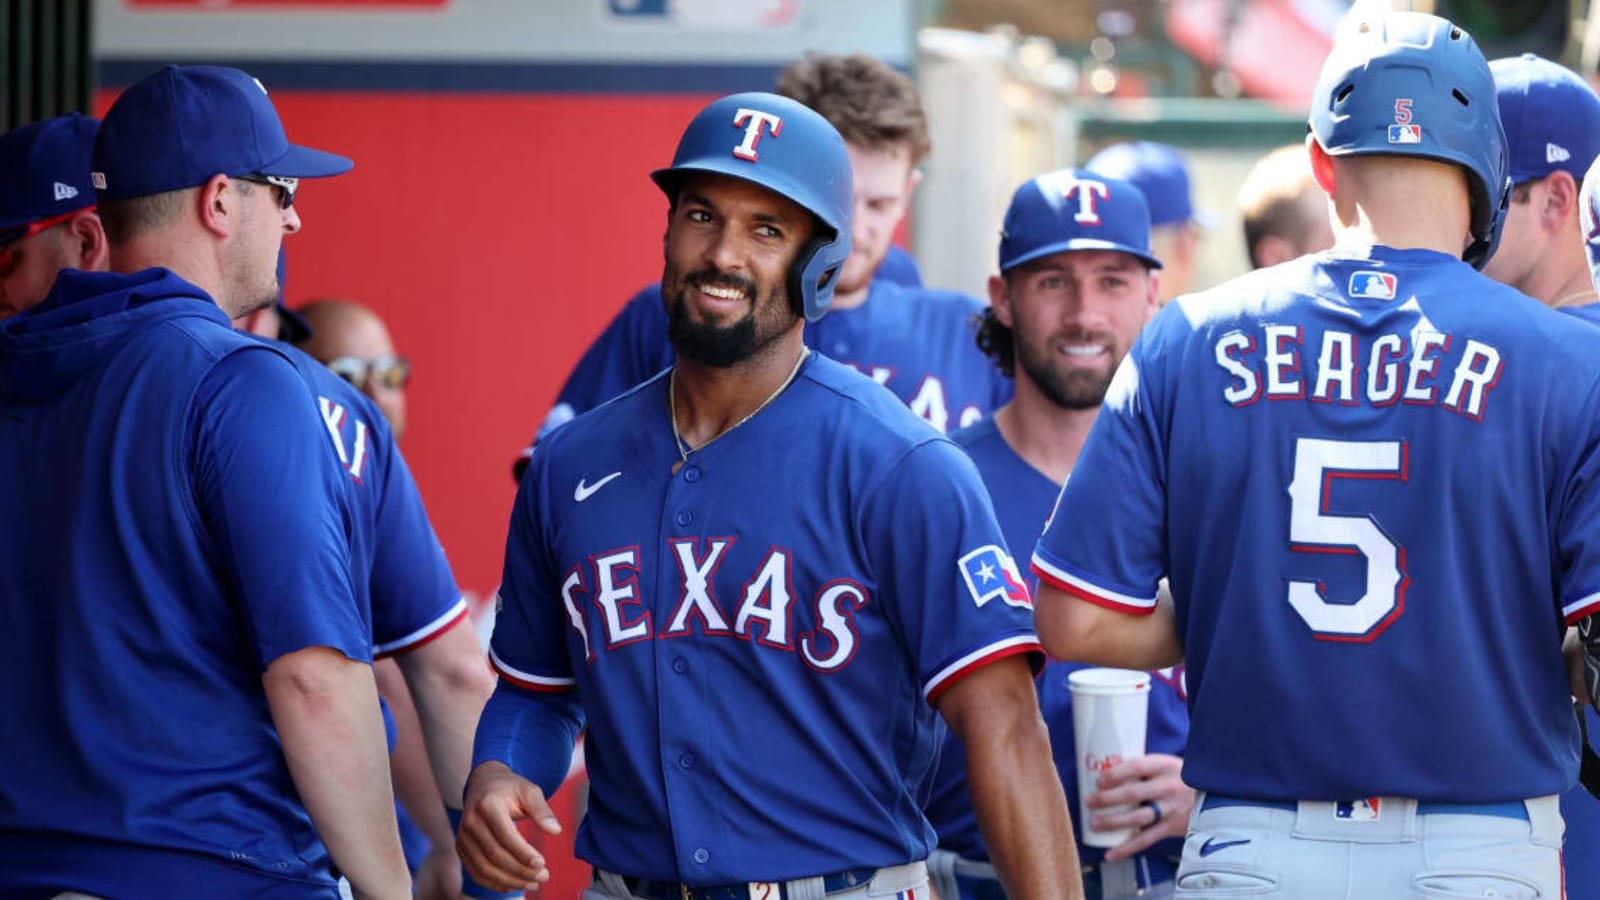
(672, 408)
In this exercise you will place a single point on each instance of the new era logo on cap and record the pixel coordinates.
(65, 191)
(1554, 153)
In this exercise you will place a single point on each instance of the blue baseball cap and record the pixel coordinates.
(1160, 172)
(1589, 219)
(1552, 119)
(1074, 209)
(44, 169)
(182, 125)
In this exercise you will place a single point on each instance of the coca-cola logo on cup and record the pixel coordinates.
(1096, 763)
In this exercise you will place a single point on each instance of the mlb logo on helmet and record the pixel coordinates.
(990, 573)
(1403, 131)
(1368, 809)
(1405, 134)
(1374, 285)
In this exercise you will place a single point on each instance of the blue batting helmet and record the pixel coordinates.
(789, 149)
(1409, 84)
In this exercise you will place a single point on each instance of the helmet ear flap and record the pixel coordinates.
(1483, 245)
(812, 276)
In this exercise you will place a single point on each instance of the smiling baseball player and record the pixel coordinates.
(759, 577)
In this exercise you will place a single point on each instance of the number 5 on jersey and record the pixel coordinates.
(1317, 463)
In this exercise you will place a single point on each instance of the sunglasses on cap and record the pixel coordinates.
(12, 236)
(287, 187)
(387, 371)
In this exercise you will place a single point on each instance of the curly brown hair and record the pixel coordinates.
(995, 340)
(872, 104)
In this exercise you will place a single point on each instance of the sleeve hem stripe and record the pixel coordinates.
(1094, 593)
(542, 683)
(949, 675)
(1581, 608)
(426, 633)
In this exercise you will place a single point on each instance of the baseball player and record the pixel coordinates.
(1582, 813)
(200, 715)
(757, 576)
(1076, 284)
(1285, 214)
(1161, 173)
(914, 341)
(1552, 122)
(1370, 477)
(403, 572)
(46, 208)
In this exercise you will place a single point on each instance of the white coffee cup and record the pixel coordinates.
(1109, 710)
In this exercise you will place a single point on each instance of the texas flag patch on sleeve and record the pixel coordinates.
(991, 574)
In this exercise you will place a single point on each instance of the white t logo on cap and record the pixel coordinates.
(752, 131)
(1087, 192)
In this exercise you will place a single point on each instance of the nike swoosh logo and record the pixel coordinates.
(1212, 845)
(585, 491)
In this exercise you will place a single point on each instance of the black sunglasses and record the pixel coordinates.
(287, 187)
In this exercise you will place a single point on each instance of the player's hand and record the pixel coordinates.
(439, 876)
(496, 854)
(1139, 781)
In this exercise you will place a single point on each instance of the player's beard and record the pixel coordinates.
(1069, 387)
(724, 346)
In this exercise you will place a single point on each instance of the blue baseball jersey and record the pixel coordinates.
(919, 343)
(1373, 479)
(1588, 312)
(178, 525)
(400, 567)
(758, 638)
(1579, 808)
(1023, 497)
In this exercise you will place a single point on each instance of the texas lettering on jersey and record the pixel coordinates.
(603, 604)
(930, 400)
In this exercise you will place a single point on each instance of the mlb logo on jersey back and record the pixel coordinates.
(1369, 809)
(990, 573)
(1373, 285)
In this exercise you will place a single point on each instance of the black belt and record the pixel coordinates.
(650, 889)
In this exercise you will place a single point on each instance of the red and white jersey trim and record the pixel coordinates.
(1090, 591)
(949, 675)
(528, 680)
(1581, 608)
(426, 633)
